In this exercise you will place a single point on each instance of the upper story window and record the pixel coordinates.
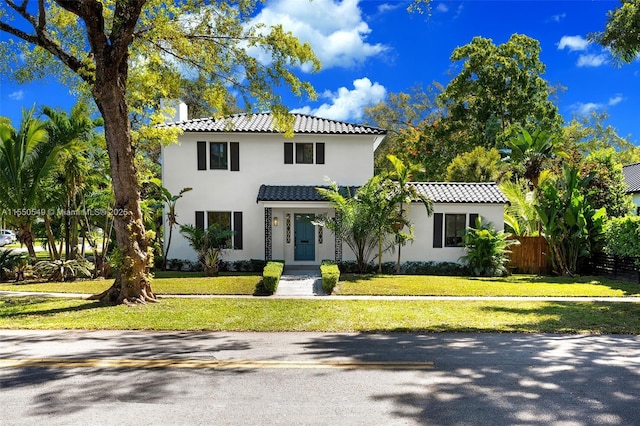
(220, 156)
(305, 153)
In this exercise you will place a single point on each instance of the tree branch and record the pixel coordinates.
(42, 38)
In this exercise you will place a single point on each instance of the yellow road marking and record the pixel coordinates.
(211, 364)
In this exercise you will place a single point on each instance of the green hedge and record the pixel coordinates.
(622, 236)
(330, 276)
(271, 276)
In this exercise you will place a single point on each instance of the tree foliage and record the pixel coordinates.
(479, 165)
(622, 236)
(622, 32)
(406, 117)
(27, 157)
(127, 56)
(572, 227)
(499, 90)
(362, 219)
(520, 216)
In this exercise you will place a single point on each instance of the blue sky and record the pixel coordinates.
(369, 48)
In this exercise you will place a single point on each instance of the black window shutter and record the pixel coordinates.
(472, 220)
(288, 153)
(437, 230)
(202, 156)
(237, 229)
(200, 220)
(320, 153)
(235, 156)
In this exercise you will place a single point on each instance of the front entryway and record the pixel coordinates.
(305, 248)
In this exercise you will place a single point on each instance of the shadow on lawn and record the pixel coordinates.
(12, 307)
(628, 288)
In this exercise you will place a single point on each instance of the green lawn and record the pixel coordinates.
(326, 314)
(268, 314)
(195, 284)
(516, 285)
(399, 285)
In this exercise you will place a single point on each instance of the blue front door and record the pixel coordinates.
(305, 237)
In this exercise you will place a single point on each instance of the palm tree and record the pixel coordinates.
(529, 153)
(172, 219)
(27, 156)
(74, 131)
(406, 193)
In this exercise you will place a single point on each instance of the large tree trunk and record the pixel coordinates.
(132, 283)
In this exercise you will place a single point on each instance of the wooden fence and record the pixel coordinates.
(529, 257)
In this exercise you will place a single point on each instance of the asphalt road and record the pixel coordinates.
(78, 377)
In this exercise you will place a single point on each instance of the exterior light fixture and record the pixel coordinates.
(276, 221)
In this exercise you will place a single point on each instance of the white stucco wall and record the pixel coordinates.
(421, 249)
(348, 161)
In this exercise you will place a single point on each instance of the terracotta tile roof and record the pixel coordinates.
(448, 192)
(462, 192)
(265, 123)
(631, 174)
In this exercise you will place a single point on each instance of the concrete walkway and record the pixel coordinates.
(300, 282)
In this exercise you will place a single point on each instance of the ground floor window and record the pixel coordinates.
(454, 228)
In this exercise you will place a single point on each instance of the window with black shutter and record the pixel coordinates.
(437, 230)
(288, 153)
(235, 156)
(320, 153)
(202, 156)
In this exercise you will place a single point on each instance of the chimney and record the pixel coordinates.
(181, 111)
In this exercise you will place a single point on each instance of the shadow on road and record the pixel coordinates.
(504, 379)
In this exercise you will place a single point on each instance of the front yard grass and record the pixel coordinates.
(389, 285)
(515, 285)
(268, 314)
(185, 284)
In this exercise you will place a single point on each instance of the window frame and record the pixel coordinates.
(304, 153)
(459, 225)
(223, 157)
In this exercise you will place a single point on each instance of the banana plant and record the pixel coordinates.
(573, 228)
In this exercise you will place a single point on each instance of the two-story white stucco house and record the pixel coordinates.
(247, 176)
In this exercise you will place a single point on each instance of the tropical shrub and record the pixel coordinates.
(572, 227)
(330, 276)
(622, 236)
(64, 270)
(208, 244)
(486, 250)
(271, 276)
(9, 261)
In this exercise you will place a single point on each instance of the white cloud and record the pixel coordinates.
(615, 100)
(591, 60)
(345, 104)
(442, 8)
(388, 7)
(559, 17)
(585, 108)
(573, 43)
(17, 95)
(336, 30)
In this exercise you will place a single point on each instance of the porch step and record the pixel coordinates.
(300, 281)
